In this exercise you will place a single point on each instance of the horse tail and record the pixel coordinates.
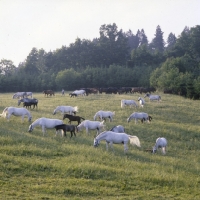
(101, 125)
(95, 116)
(4, 112)
(76, 108)
(134, 140)
(122, 103)
(82, 118)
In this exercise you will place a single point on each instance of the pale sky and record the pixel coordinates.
(51, 24)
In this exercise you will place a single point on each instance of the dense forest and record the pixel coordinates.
(115, 59)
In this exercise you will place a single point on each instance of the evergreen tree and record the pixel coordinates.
(158, 43)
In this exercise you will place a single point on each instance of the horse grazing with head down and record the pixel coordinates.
(8, 111)
(45, 123)
(66, 109)
(153, 97)
(90, 125)
(28, 102)
(142, 116)
(160, 143)
(116, 138)
(73, 118)
(104, 114)
(48, 93)
(128, 103)
(19, 95)
(64, 127)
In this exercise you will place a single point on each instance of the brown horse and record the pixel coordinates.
(48, 92)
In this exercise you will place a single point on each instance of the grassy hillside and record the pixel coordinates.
(49, 167)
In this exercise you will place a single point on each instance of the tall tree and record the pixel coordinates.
(171, 40)
(158, 41)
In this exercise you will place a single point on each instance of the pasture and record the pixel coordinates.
(54, 167)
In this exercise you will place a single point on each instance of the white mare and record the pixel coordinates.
(160, 143)
(8, 111)
(79, 92)
(116, 138)
(141, 102)
(45, 123)
(104, 114)
(19, 95)
(118, 129)
(90, 125)
(66, 109)
(153, 97)
(139, 115)
(130, 103)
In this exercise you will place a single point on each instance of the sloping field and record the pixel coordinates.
(50, 167)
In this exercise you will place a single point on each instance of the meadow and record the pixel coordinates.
(55, 167)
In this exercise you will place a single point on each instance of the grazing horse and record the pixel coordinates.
(45, 123)
(104, 114)
(28, 102)
(48, 93)
(65, 128)
(19, 95)
(118, 129)
(116, 138)
(143, 116)
(128, 103)
(90, 125)
(78, 92)
(141, 101)
(8, 111)
(160, 143)
(73, 118)
(66, 109)
(153, 97)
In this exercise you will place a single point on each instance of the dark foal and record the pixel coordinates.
(73, 118)
(66, 128)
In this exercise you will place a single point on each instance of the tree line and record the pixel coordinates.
(114, 59)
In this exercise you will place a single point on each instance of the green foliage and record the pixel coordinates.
(114, 59)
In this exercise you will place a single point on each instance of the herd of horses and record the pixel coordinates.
(115, 135)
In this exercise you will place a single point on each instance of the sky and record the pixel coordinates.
(51, 24)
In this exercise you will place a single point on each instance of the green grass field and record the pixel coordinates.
(50, 167)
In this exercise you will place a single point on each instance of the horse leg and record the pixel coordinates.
(87, 131)
(107, 146)
(8, 116)
(125, 147)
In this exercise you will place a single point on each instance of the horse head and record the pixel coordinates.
(30, 128)
(96, 142)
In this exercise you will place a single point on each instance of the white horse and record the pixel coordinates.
(141, 101)
(8, 111)
(45, 123)
(160, 143)
(19, 95)
(153, 97)
(104, 114)
(116, 138)
(66, 109)
(139, 115)
(128, 103)
(29, 94)
(118, 129)
(90, 125)
(79, 92)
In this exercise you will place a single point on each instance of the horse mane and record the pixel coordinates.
(112, 128)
